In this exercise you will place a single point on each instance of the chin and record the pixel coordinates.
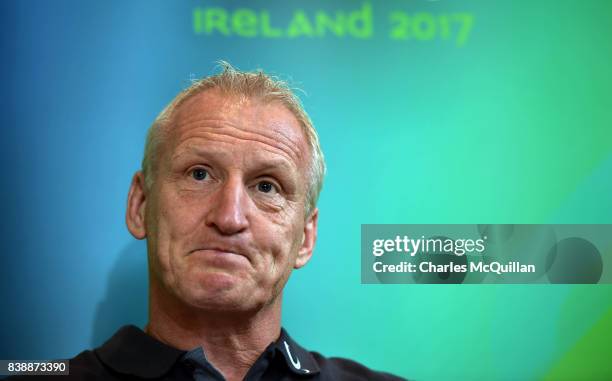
(218, 291)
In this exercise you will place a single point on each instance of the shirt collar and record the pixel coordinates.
(131, 351)
(298, 359)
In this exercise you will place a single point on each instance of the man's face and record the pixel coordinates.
(225, 220)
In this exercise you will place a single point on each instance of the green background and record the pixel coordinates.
(512, 125)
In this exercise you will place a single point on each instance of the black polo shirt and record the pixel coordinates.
(131, 354)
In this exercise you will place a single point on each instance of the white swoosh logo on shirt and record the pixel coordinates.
(296, 364)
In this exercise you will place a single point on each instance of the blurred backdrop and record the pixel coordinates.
(449, 111)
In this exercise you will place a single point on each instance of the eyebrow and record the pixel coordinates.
(195, 151)
(260, 164)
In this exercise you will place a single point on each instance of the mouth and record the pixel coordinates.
(219, 252)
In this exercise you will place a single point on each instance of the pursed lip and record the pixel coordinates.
(222, 250)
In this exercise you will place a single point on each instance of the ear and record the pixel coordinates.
(135, 214)
(310, 238)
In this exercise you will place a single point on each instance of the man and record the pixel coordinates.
(226, 200)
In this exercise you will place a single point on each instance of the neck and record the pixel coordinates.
(232, 340)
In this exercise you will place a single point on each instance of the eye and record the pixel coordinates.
(199, 174)
(265, 187)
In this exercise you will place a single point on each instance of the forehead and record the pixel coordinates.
(237, 120)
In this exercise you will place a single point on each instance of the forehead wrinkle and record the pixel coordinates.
(229, 108)
(219, 123)
(290, 148)
(190, 148)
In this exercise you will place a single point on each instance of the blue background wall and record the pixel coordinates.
(500, 115)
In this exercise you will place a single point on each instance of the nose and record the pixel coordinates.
(227, 212)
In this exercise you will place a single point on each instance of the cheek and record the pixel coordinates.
(172, 221)
(183, 213)
(280, 243)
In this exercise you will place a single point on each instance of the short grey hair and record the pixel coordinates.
(256, 85)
